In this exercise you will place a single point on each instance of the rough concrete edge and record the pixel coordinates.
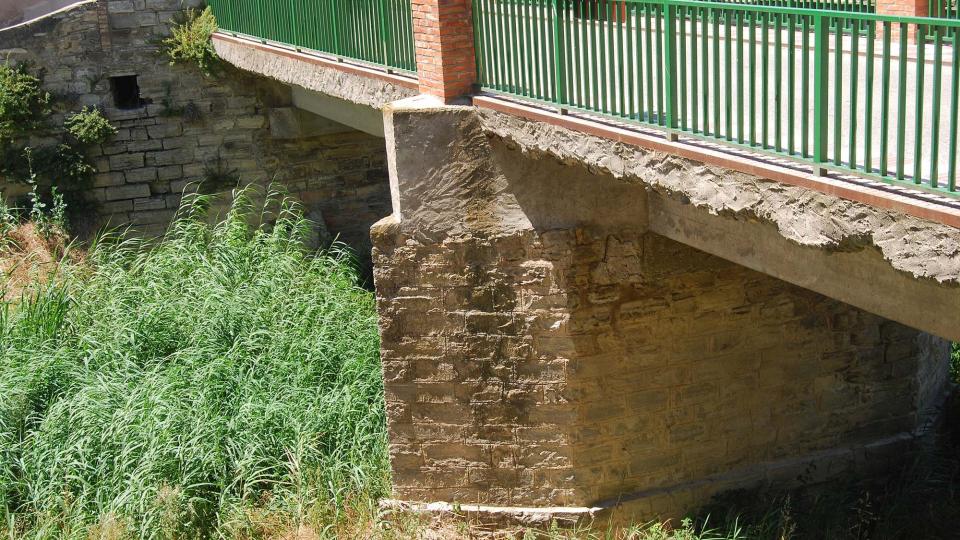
(862, 456)
(287, 67)
(743, 196)
(516, 515)
(46, 16)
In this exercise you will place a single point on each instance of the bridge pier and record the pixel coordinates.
(546, 356)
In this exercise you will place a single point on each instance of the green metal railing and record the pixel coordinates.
(944, 9)
(845, 91)
(375, 31)
(856, 6)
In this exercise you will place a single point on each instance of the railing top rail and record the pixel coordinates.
(847, 15)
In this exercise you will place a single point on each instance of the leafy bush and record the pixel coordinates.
(23, 103)
(89, 127)
(189, 41)
(182, 390)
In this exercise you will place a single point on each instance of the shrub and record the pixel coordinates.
(181, 390)
(89, 127)
(23, 103)
(189, 41)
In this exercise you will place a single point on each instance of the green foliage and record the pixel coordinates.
(189, 41)
(179, 390)
(89, 127)
(24, 105)
(955, 363)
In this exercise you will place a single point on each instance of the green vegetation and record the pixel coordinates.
(24, 105)
(223, 382)
(189, 41)
(25, 110)
(89, 127)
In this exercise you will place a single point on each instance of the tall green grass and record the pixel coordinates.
(191, 388)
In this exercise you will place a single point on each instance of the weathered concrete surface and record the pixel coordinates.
(543, 346)
(336, 83)
(901, 267)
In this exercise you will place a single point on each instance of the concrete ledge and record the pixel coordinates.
(351, 82)
(917, 204)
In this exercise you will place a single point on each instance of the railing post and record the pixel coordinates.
(821, 57)
(337, 21)
(670, 68)
(386, 44)
(559, 77)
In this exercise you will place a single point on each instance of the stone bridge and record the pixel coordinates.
(579, 318)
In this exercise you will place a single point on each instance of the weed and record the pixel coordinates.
(189, 40)
(89, 127)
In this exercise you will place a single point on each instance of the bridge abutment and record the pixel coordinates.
(547, 356)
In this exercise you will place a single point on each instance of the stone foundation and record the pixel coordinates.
(546, 355)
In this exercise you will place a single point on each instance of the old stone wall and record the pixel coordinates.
(544, 351)
(194, 132)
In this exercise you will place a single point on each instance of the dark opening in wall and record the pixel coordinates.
(126, 92)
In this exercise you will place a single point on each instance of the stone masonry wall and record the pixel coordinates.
(570, 368)
(244, 126)
(542, 349)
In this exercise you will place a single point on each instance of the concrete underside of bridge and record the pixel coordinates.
(573, 327)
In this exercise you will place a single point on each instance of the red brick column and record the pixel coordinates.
(903, 8)
(443, 34)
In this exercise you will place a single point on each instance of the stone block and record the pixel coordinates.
(130, 191)
(122, 162)
(146, 174)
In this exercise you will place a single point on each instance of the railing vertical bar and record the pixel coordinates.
(764, 81)
(885, 99)
(805, 134)
(753, 79)
(659, 20)
(694, 117)
(670, 68)
(631, 43)
(918, 130)
(716, 74)
(559, 52)
(854, 79)
(596, 58)
(740, 90)
(778, 82)
(620, 8)
(821, 85)
(705, 14)
(837, 90)
(791, 83)
(728, 74)
(682, 68)
(954, 110)
(527, 60)
(651, 90)
(902, 103)
(935, 103)
(868, 99)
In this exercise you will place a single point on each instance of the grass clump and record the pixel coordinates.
(89, 126)
(189, 40)
(223, 382)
